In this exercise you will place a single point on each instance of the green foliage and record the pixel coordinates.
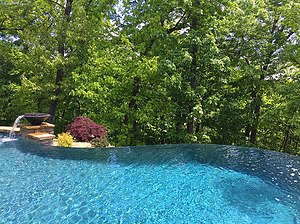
(157, 72)
(65, 139)
(99, 142)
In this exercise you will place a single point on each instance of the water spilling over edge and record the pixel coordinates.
(17, 121)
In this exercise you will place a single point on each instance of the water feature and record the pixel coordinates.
(33, 118)
(152, 184)
(17, 122)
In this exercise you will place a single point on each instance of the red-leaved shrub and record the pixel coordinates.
(83, 129)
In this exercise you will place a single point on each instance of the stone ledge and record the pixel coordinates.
(41, 136)
(34, 127)
(76, 144)
(81, 145)
(7, 129)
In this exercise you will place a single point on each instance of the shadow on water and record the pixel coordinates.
(277, 168)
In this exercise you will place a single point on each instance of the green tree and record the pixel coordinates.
(54, 39)
(259, 32)
(181, 34)
(7, 77)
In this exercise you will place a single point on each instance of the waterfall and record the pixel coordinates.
(17, 121)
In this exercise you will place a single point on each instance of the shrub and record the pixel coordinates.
(65, 139)
(84, 129)
(99, 142)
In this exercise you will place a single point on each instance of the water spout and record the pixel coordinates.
(17, 121)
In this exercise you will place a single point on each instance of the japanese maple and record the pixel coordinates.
(83, 129)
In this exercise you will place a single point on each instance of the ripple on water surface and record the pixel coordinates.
(158, 184)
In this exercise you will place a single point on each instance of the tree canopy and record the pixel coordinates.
(156, 72)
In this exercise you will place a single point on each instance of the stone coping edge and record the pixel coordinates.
(7, 129)
(34, 127)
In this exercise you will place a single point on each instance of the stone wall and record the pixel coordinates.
(42, 133)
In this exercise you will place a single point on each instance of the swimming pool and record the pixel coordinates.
(152, 184)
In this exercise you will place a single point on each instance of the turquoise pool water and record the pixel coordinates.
(153, 184)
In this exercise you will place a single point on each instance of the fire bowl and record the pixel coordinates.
(36, 118)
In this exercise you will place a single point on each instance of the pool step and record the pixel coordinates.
(42, 137)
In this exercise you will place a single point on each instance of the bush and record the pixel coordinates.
(84, 129)
(99, 142)
(65, 139)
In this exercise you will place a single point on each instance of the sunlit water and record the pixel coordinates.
(153, 184)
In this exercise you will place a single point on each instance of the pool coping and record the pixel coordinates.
(7, 129)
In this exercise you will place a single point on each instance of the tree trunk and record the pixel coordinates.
(133, 100)
(190, 124)
(256, 114)
(56, 93)
(194, 26)
(257, 102)
(247, 131)
(61, 52)
(285, 140)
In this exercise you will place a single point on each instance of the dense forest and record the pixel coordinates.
(157, 71)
